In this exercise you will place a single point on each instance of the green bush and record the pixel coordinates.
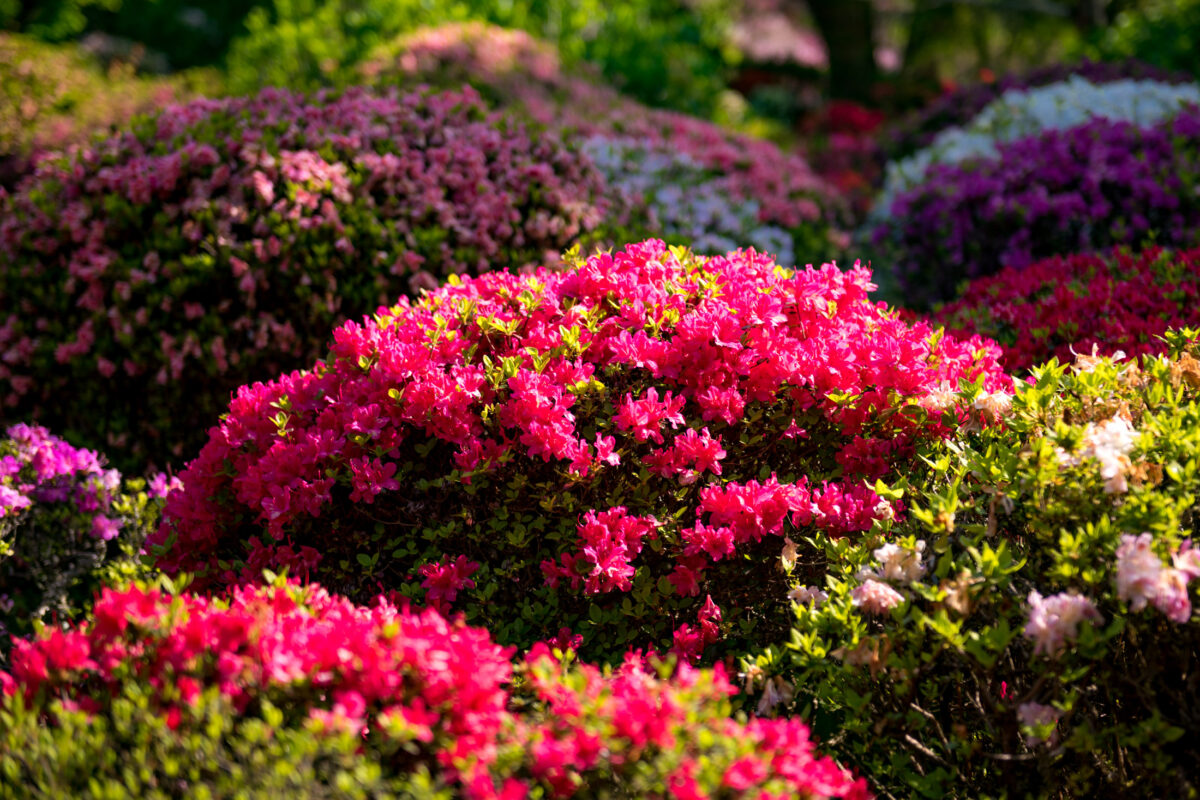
(1028, 630)
(53, 96)
(1161, 32)
(662, 52)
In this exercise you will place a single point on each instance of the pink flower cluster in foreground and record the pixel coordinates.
(439, 688)
(508, 375)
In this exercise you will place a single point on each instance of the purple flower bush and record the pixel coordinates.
(692, 182)
(622, 448)
(1077, 190)
(217, 243)
(68, 525)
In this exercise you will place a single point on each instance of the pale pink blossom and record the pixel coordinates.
(1055, 620)
(900, 564)
(1137, 571)
(875, 597)
(808, 594)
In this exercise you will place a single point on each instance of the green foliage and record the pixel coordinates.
(662, 52)
(52, 20)
(938, 696)
(131, 751)
(52, 96)
(1161, 32)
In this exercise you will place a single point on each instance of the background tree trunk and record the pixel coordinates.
(848, 28)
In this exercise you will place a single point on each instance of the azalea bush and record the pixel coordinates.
(661, 52)
(68, 525)
(291, 688)
(53, 96)
(957, 107)
(688, 180)
(1019, 114)
(1095, 303)
(622, 448)
(218, 243)
(1082, 189)
(1034, 608)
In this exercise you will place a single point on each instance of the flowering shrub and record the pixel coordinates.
(218, 243)
(1034, 607)
(51, 97)
(1021, 114)
(599, 448)
(67, 526)
(374, 699)
(1097, 185)
(658, 51)
(958, 107)
(1081, 303)
(687, 179)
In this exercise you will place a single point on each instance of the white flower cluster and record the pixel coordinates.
(686, 199)
(1109, 442)
(1020, 113)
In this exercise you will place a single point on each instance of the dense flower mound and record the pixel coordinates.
(150, 274)
(424, 705)
(699, 184)
(958, 107)
(52, 97)
(1036, 606)
(1077, 190)
(599, 448)
(1021, 114)
(67, 525)
(1081, 304)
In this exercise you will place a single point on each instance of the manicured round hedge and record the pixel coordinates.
(290, 689)
(1077, 190)
(1085, 304)
(68, 526)
(599, 448)
(218, 243)
(696, 183)
(1035, 609)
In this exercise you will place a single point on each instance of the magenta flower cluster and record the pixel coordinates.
(66, 522)
(38, 467)
(154, 271)
(565, 386)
